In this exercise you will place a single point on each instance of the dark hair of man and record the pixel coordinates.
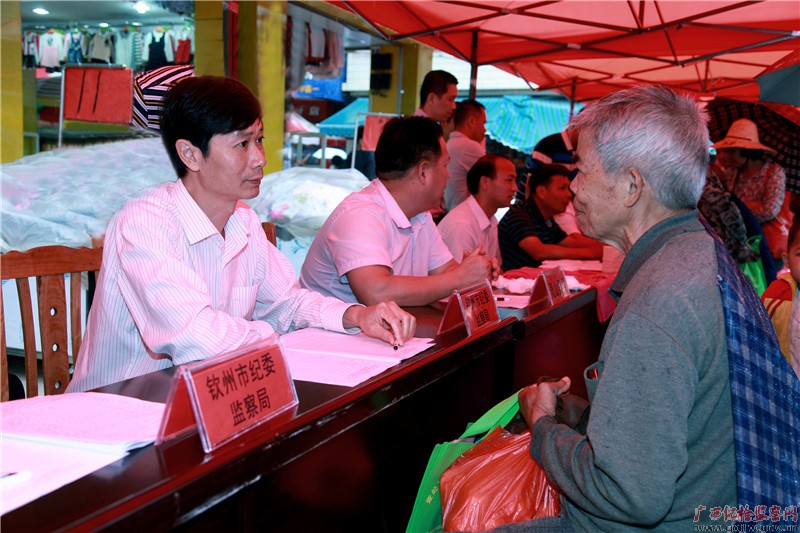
(542, 175)
(200, 107)
(405, 142)
(485, 166)
(435, 82)
(754, 154)
(466, 109)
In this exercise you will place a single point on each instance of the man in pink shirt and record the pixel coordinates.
(187, 270)
(381, 243)
(465, 146)
(437, 99)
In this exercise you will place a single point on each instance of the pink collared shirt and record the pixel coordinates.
(463, 154)
(466, 227)
(369, 228)
(173, 290)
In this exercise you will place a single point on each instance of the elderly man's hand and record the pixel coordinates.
(536, 401)
(385, 321)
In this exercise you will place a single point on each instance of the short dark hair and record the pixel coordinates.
(485, 166)
(466, 109)
(435, 82)
(198, 108)
(404, 142)
(542, 175)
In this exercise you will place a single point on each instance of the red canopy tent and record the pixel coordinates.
(585, 49)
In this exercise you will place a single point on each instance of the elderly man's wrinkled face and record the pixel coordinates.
(599, 198)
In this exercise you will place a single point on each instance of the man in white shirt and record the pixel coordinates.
(465, 146)
(437, 96)
(492, 183)
(187, 270)
(381, 243)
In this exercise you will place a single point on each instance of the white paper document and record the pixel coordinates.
(88, 420)
(50, 441)
(334, 358)
(33, 469)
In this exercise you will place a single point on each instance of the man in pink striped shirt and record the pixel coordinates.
(187, 270)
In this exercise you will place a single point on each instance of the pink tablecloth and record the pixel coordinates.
(599, 280)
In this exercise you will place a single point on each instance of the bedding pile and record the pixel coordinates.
(68, 196)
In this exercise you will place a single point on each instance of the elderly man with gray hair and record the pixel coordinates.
(693, 410)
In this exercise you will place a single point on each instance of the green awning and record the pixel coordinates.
(516, 121)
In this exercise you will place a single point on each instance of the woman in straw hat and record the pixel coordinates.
(743, 170)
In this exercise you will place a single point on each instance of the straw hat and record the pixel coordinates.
(742, 134)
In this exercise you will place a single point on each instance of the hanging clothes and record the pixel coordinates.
(101, 47)
(183, 54)
(157, 56)
(125, 42)
(137, 49)
(324, 52)
(316, 45)
(158, 49)
(51, 49)
(187, 33)
(75, 45)
(30, 49)
(184, 50)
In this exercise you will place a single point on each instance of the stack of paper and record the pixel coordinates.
(49, 441)
(338, 359)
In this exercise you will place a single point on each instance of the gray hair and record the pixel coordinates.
(655, 130)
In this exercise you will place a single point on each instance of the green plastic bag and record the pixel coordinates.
(754, 270)
(427, 513)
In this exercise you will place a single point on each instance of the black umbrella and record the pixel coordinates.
(149, 89)
(778, 128)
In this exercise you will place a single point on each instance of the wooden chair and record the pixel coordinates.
(271, 231)
(49, 265)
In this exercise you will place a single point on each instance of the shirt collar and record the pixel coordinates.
(478, 212)
(650, 243)
(196, 224)
(392, 208)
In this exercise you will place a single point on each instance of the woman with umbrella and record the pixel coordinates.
(742, 168)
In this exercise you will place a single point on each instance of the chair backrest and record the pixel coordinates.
(49, 265)
(271, 231)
